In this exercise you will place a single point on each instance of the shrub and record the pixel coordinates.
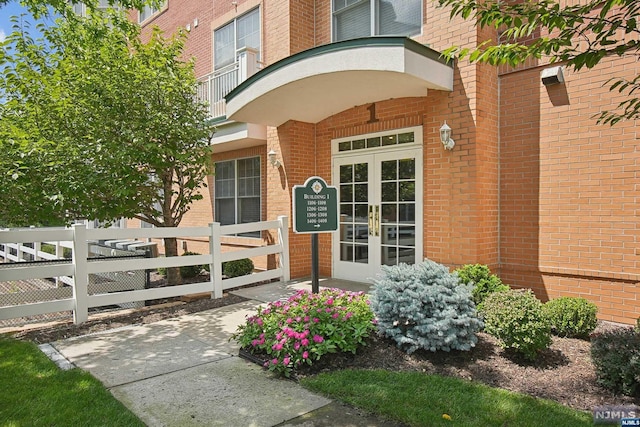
(515, 318)
(571, 316)
(616, 357)
(425, 307)
(305, 327)
(482, 280)
(186, 271)
(189, 271)
(237, 267)
(51, 249)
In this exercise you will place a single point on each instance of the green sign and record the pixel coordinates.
(315, 207)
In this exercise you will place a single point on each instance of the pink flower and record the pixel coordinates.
(305, 355)
(304, 342)
(330, 301)
(277, 347)
(286, 360)
(296, 346)
(289, 321)
(328, 310)
(317, 338)
(335, 315)
(306, 318)
(274, 361)
(316, 320)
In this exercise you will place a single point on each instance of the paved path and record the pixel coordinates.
(185, 372)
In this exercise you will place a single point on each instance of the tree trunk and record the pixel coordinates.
(171, 249)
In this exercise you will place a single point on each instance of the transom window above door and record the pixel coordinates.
(365, 18)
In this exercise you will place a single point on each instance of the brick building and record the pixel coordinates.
(355, 91)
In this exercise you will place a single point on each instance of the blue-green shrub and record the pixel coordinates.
(482, 280)
(515, 318)
(423, 306)
(616, 357)
(571, 316)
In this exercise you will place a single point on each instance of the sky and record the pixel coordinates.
(13, 8)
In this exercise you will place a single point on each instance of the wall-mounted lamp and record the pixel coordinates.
(552, 76)
(445, 136)
(271, 155)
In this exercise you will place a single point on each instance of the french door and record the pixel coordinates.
(380, 210)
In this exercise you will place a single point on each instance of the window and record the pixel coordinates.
(81, 9)
(241, 32)
(237, 192)
(148, 11)
(365, 18)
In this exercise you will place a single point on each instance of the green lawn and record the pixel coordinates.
(34, 392)
(418, 399)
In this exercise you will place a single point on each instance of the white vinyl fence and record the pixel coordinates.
(80, 267)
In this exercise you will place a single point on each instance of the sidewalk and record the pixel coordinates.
(185, 372)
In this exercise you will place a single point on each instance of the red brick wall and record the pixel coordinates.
(533, 188)
(569, 190)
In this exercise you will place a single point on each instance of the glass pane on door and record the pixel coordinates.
(398, 211)
(354, 226)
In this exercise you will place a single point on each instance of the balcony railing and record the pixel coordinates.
(213, 87)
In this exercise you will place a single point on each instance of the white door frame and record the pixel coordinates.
(372, 244)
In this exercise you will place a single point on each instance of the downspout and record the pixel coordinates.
(499, 167)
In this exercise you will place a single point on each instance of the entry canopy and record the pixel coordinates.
(320, 82)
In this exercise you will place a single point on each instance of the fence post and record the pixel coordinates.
(215, 268)
(80, 274)
(283, 239)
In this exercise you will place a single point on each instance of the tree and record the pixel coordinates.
(40, 6)
(97, 124)
(579, 36)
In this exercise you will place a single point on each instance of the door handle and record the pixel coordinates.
(371, 230)
(376, 220)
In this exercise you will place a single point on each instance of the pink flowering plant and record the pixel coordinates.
(306, 326)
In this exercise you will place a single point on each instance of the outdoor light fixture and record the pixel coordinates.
(445, 136)
(272, 159)
(552, 76)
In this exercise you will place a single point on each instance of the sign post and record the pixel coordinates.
(315, 210)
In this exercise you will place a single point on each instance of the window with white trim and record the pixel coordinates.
(237, 192)
(243, 31)
(148, 11)
(81, 9)
(364, 18)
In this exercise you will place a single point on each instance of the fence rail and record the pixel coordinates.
(80, 266)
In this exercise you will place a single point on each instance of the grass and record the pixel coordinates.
(34, 392)
(418, 399)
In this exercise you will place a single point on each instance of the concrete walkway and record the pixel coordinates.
(185, 372)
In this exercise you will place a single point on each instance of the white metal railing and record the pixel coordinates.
(79, 268)
(213, 87)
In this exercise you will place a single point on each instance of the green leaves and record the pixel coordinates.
(580, 35)
(94, 114)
